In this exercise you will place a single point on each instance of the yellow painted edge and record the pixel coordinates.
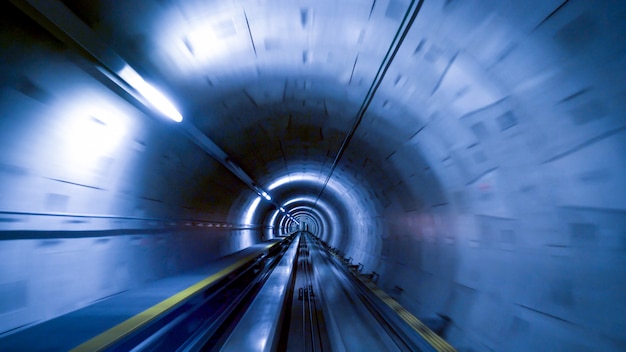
(127, 327)
(433, 339)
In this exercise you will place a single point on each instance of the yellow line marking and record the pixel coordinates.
(433, 339)
(123, 329)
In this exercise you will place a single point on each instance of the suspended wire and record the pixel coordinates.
(409, 17)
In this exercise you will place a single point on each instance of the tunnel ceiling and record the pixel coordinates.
(278, 87)
(285, 81)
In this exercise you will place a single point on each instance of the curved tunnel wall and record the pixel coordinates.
(485, 181)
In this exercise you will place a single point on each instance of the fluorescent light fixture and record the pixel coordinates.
(282, 209)
(295, 177)
(266, 196)
(250, 211)
(150, 93)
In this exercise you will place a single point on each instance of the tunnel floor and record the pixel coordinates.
(303, 297)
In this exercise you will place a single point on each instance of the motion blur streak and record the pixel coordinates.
(485, 181)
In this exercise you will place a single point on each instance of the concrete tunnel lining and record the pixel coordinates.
(485, 181)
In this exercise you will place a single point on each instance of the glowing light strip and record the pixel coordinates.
(251, 210)
(157, 99)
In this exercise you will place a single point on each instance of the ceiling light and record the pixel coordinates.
(157, 99)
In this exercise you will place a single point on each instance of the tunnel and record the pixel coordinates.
(469, 155)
